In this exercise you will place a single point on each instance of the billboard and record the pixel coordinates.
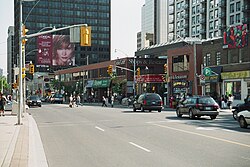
(44, 45)
(63, 51)
(235, 37)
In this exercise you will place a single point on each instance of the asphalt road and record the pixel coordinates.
(94, 136)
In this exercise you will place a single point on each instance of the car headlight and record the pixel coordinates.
(39, 101)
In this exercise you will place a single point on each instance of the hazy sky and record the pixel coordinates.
(125, 23)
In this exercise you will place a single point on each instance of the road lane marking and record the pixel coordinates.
(246, 158)
(99, 128)
(136, 145)
(198, 134)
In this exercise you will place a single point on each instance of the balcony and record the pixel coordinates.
(221, 15)
(203, 11)
(185, 6)
(203, 1)
(171, 12)
(203, 21)
(171, 3)
(202, 31)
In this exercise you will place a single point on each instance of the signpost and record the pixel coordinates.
(207, 71)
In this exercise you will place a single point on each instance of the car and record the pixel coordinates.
(126, 101)
(148, 101)
(56, 98)
(34, 100)
(243, 118)
(242, 106)
(197, 106)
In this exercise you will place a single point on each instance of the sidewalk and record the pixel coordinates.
(20, 145)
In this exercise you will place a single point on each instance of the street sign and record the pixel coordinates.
(207, 71)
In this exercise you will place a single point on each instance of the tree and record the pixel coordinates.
(3, 84)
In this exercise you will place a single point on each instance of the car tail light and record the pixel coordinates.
(161, 103)
(144, 102)
(216, 106)
(199, 106)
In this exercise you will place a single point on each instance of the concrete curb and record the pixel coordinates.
(37, 156)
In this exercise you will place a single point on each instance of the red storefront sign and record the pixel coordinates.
(155, 78)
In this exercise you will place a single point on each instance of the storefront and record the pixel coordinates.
(236, 83)
(101, 88)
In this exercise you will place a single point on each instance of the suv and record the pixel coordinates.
(148, 101)
(198, 106)
(56, 98)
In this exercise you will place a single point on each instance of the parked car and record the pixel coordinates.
(148, 101)
(240, 107)
(243, 118)
(198, 106)
(56, 98)
(34, 100)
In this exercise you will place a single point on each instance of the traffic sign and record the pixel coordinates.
(207, 71)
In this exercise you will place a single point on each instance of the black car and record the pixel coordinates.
(56, 98)
(240, 107)
(148, 101)
(34, 100)
(198, 106)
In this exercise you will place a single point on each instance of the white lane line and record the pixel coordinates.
(198, 134)
(136, 145)
(246, 158)
(99, 128)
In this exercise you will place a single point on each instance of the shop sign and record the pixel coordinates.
(180, 84)
(177, 77)
(150, 78)
(235, 75)
(213, 78)
(101, 83)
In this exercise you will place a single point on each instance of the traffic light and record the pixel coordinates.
(31, 68)
(86, 36)
(110, 69)
(165, 68)
(138, 71)
(24, 31)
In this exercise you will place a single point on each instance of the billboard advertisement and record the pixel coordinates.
(235, 37)
(44, 45)
(63, 51)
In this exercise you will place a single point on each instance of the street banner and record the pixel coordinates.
(44, 45)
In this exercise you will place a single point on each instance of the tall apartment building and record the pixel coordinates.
(11, 63)
(44, 14)
(154, 23)
(208, 18)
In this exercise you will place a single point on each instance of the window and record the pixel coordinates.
(193, 20)
(211, 15)
(198, 19)
(206, 59)
(237, 18)
(198, 9)
(216, 24)
(231, 19)
(237, 6)
(193, 30)
(193, 10)
(216, 13)
(231, 8)
(234, 88)
(211, 25)
(180, 63)
(218, 58)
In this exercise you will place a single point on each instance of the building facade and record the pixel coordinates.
(11, 61)
(44, 15)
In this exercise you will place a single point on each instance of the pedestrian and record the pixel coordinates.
(71, 101)
(230, 101)
(2, 103)
(78, 100)
(104, 101)
(223, 103)
(112, 101)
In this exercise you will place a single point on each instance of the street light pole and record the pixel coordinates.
(195, 70)
(134, 87)
(20, 66)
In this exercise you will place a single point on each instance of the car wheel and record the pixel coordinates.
(134, 109)
(142, 109)
(242, 122)
(178, 113)
(159, 110)
(191, 114)
(213, 116)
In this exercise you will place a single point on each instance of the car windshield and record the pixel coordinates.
(206, 100)
(59, 95)
(34, 98)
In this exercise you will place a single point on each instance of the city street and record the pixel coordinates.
(95, 136)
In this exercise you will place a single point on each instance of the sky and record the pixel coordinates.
(125, 23)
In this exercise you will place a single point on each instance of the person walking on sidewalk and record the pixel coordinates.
(104, 101)
(2, 103)
(230, 101)
(112, 101)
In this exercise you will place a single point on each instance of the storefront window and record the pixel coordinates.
(180, 63)
(234, 88)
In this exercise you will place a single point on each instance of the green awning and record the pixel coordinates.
(101, 83)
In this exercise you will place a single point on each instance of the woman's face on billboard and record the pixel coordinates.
(65, 52)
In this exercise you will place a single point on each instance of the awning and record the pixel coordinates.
(89, 83)
(101, 83)
(215, 76)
